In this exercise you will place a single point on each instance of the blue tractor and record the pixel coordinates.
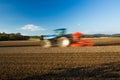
(60, 39)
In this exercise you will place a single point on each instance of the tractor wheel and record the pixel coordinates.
(63, 42)
(46, 43)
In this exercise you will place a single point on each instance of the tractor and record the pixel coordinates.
(61, 39)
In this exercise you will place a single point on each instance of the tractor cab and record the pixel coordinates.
(60, 32)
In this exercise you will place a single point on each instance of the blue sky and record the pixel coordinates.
(36, 17)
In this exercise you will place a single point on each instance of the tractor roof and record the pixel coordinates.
(60, 29)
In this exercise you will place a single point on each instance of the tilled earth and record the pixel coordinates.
(70, 63)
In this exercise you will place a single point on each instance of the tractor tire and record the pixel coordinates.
(63, 42)
(46, 43)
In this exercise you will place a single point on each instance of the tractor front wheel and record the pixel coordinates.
(63, 42)
(46, 43)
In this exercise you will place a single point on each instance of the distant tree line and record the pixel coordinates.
(12, 36)
(101, 35)
(98, 35)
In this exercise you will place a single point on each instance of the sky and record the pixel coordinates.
(37, 17)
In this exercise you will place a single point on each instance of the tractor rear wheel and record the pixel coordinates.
(46, 43)
(63, 42)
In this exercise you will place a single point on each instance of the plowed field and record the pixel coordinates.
(31, 62)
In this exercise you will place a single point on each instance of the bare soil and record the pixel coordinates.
(25, 61)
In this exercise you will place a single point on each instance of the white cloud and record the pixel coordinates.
(32, 27)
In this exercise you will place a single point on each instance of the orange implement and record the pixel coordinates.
(76, 36)
(82, 44)
(77, 44)
(87, 42)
